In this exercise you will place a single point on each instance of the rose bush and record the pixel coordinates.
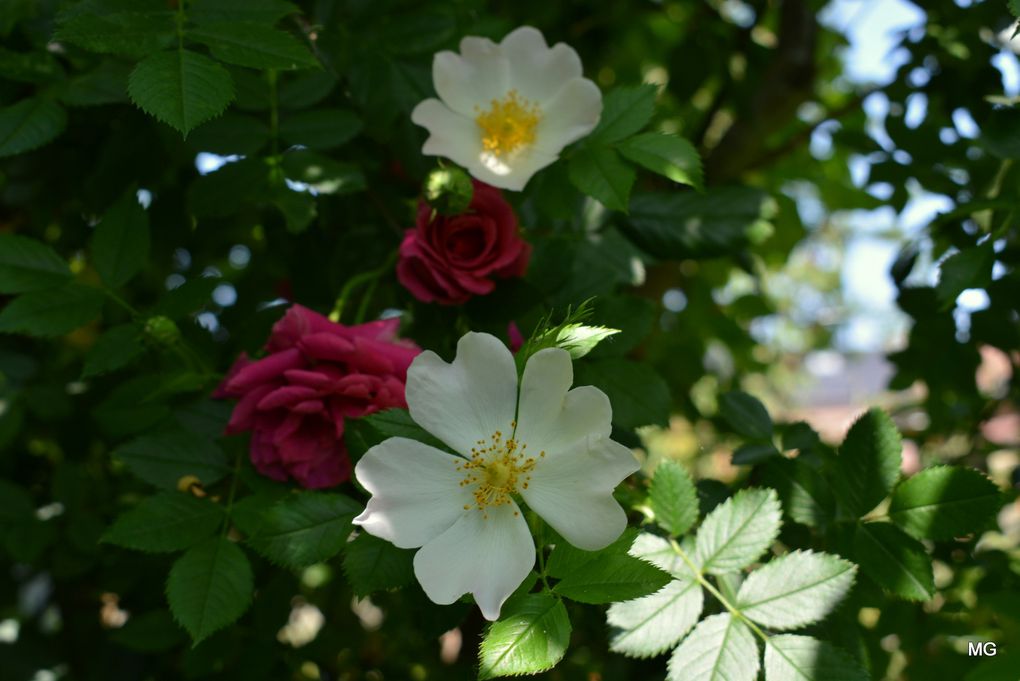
(318, 373)
(449, 259)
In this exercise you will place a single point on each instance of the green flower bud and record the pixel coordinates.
(162, 330)
(449, 190)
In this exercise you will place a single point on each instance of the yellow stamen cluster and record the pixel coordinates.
(497, 469)
(508, 124)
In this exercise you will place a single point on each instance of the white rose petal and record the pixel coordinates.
(507, 110)
(468, 400)
(488, 556)
(415, 492)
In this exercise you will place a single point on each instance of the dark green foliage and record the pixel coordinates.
(894, 560)
(120, 245)
(209, 587)
(673, 498)
(944, 501)
(372, 565)
(28, 265)
(303, 529)
(716, 216)
(868, 464)
(169, 521)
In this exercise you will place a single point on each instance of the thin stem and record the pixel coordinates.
(359, 316)
(538, 528)
(354, 282)
(180, 19)
(233, 492)
(120, 301)
(700, 576)
(274, 113)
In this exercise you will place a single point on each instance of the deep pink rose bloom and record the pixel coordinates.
(450, 258)
(316, 374)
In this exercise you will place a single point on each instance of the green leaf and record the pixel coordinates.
(650, 625)
(30, 67)
(673, 498)
(258, 11)
(800, 436)
(116, 348)
(745, 415)
(128, 27)
(530, 637)
(635, 318)
(668, 155)
(305, 528)
(322, 174)
(420, 31)
(868, 464)
(660, 553)
(679, 225)
(209, 587)
(970, 268)
(169, 521)
(29, 265)
(254, 45)
(566, 558)
(17, 508)
(120, 245)
(577, 339)
(149, 632)
(638, 394)
(738, 531)
(601, 174)
(795, 590)
(753, 453)
(895, 560)
(625, 110)
(29, 124)
(999, 133)
(231, 133)
(361, 434)
(614, 577)
(806, 496)
(1003, 666)
(234, 188)
(320, 128)
(789, 657)
(163, 458)
(721, 648)
(298, 208)
(105, 84)
(372, 564)
(944, 502)
(189, 297)
(305, 89)
(52, 312)
(181, 88)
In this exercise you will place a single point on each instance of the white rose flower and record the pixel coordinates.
(506, 111)
(550, 447)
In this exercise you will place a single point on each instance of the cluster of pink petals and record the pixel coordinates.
(317, 373)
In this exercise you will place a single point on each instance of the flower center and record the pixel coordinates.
(508, 124)
(498, 469)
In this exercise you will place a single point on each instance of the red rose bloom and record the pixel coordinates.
(449, 259)
(317, 373)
